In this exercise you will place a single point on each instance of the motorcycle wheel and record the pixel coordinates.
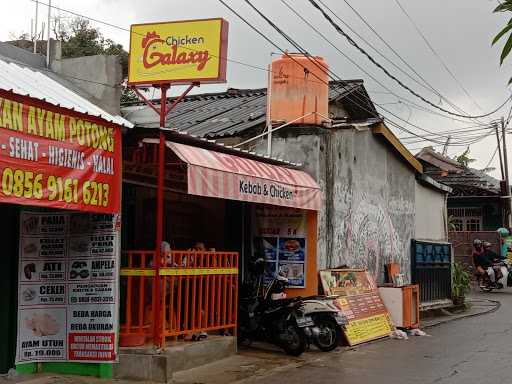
(330, 334)
(295, 340)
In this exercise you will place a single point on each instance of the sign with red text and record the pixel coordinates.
(68, 287)
(53, 159)
(178, 52)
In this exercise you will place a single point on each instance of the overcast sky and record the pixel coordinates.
(459, 30)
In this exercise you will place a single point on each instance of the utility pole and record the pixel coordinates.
(48, 34)
(35, 27)
(507, 180)
(445, 148)
(499, 151)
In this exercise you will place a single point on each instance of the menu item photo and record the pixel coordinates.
(42, 324)
(292, 249)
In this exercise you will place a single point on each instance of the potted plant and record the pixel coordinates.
(461, 284)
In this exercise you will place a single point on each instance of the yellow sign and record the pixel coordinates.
(370, 328)
(179, 52)
(179, 271)
(197, 271)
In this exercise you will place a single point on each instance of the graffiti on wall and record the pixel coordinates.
(373, 233)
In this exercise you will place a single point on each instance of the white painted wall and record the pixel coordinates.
(430, 214)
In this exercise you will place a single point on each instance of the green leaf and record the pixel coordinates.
(506, 49)
(504, 6)
(501, 33)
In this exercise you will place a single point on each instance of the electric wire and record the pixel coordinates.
(426, 84)
(435, 53)
(410, 103)
(308, 56)
(228, 59)
(394, 78)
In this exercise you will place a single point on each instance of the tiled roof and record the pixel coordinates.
(216, 115)
(463, 180)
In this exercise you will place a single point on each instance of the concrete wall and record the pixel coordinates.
(367, 219)
(430, 214)
(103, 74)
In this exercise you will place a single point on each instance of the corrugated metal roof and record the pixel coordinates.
(27, 81)
(221, 114)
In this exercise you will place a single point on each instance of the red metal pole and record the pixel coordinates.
(157, 326)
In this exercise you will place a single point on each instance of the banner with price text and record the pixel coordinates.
(55, 158)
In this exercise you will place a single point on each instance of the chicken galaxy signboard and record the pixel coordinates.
(68, 293)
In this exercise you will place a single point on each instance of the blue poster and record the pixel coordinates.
(266, 247)
(292, 249)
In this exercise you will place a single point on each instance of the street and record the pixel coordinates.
(470, 350)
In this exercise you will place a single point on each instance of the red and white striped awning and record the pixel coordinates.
(216, 174)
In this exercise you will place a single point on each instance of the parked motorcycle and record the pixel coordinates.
(266, 315)
(326, 331)
(329, 322)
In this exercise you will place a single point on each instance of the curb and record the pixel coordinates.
(496, 306)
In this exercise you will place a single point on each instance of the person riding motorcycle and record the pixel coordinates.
(482, 262)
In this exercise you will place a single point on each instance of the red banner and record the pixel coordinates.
(54, 159)
(92, 346)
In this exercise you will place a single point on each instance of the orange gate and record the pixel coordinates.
(198, 292)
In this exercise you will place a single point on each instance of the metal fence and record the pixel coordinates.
(198, 292)
(431, 269)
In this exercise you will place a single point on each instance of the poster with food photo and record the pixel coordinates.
(294, 272)
(280, 238)
(42, 334)
(68, 287)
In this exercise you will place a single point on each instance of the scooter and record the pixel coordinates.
(328, 320)
(267, 315)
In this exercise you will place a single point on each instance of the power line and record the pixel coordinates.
(492, 157)
(231, 60)
(329, 72)
(310, 58)
(426, 84)
(416, 27)
(394, 78)
(411, 103)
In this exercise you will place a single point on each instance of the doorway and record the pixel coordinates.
(8, 285)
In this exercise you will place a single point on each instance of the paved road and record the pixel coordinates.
(472, 350)
(476, 350)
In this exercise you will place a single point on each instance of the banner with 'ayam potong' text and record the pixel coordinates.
(54, 159)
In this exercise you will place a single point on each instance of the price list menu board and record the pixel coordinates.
(68, 287)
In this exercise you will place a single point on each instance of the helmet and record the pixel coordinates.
(477, 242)
(503, 232)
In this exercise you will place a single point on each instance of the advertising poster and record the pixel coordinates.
(68, 287)
(56, 160)
(359, 298)
(280, 239)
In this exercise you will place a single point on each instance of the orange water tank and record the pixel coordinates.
(299, 86)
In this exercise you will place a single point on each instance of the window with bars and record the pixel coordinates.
(466, 219)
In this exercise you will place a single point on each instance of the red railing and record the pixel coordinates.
(198, 292)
